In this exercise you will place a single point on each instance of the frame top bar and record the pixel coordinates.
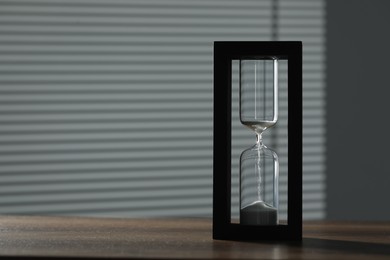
(250, 50)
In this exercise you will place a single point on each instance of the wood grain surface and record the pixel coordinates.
(76, 237)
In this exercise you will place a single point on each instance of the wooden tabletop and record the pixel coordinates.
(64, 237)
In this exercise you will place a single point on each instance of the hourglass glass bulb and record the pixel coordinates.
(259, 165)
(259, 170)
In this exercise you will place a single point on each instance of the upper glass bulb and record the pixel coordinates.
(259, 93)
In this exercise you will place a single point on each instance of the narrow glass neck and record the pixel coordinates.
(259, 139)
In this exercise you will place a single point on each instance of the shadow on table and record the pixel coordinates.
(345, 246)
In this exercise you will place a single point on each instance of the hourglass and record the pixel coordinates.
(259, 165)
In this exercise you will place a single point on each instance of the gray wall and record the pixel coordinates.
(358, 127)
(106, 108)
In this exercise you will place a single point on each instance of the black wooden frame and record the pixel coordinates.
(224, 53)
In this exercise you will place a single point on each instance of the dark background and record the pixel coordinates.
(358, 91)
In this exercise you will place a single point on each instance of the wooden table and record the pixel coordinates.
(64, 237)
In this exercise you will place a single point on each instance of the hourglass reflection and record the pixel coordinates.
(259, 165)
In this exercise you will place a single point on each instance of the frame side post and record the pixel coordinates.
(222, 142)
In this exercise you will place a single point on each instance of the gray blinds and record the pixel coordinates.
(106, 106)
